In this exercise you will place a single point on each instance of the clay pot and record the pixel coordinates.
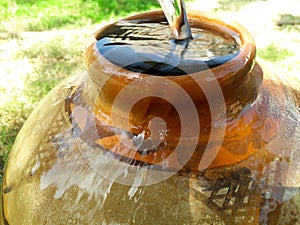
(112, 146)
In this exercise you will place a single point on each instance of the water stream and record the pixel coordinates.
(176, 15)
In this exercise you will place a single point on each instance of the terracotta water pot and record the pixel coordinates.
(113, 146)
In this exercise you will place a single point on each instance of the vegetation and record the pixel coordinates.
(39, 15)
(289, 21)
(273, 53)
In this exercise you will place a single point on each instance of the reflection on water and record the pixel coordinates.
(148, 47)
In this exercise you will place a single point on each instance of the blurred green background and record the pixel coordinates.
(43, 41)
(39, 15)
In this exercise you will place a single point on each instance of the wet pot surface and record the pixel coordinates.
(115, 145)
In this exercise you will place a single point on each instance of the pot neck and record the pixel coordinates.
(233, 79)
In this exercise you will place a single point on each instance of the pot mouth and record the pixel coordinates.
(125, 60)
(147, 46)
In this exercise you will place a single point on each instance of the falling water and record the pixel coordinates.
(175, 13)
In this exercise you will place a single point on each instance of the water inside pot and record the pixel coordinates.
(147, 46)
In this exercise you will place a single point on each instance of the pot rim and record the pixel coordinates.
(236, 68)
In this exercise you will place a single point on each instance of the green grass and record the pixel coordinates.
(53, 60)
(289, 22)
(41, 15)
(273, 53)
(12, 117)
